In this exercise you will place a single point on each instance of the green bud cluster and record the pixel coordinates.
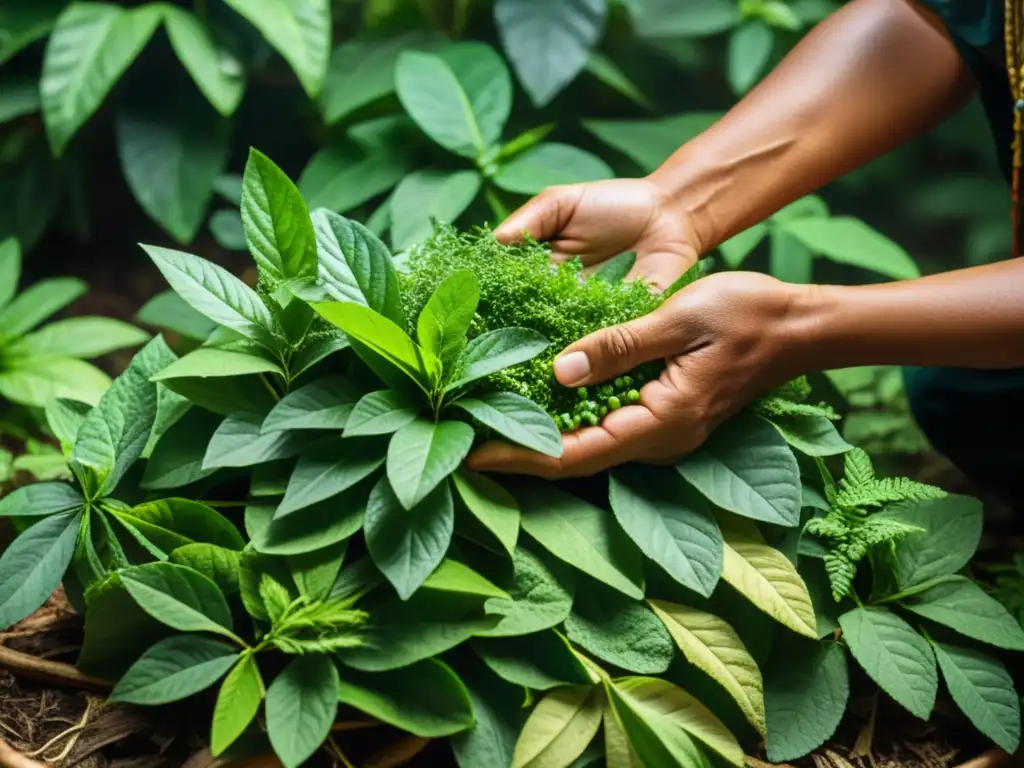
(593, 403)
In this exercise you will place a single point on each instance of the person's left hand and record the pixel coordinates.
(726, 339)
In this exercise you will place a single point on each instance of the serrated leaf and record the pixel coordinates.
(494, 351)
(175, 669)
(179, 597)
(329, 468)
(811, 435)
(516, 418)
(960, 604)
(240, 442)
(491, 504)
(316, 572)
(540, 598)
(951, 531)
(32, 566)
(422, 454)
(302, 703)
(559, 728)
(238, 701)
(217, 73)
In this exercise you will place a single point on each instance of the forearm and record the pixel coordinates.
(872, 76)
(969, 318)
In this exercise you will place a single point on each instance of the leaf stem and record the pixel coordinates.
(270, 388)
(334, 748)
(218, 504)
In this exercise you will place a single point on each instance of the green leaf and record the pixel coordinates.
(277, 226)
(217, 294)
(745, 467)
(453, 577)
(768, 579)
(356, 266)
(116, 431)
(422, 454)
(460, 98)
(380, 413)
(491, 504)
(550, 164)
(620, 631)
(240, 442)
(851, 241)
(383, 337)
(217, 73)
(517, 418)
(983, 689)
(713, 646)
(549, 43)
(299, 30)
(219, 564)
(654, 19)
(302, 703)
(608, 72)
(316, 350)
(495, 350)
(177, 458)
(179, 597)
(175, 669)
(540, 597)
(178, 139)
(497, 715)
(24, 23)
(805, 699)
(10, 269)
(238, 701)
(168, 310)
(667, 714)
(951, 531)
(325, 404)
(750, 49)
(318, 526)
(426, 699)
(315, 573)
(649, 143)
(173, 523)
(91, 46)
(33, 565)
(77, 337)
(36, 303)
(328, 468)
(894, 656)
(426, 195)
(811, 435)
(226, 228)
(960, 604)
(347, 173)
(670, 524)
(36, 382)
(559, 728)
(547, 661)
(211, 362)
(408, 544)
(616, 269)
(581, 535)
(41, 499)
(445, 320)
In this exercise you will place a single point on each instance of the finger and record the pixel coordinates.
(542, 217)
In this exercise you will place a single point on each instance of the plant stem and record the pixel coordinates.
(270, 388)
(495, 202)
(221, 504)
(338, 753)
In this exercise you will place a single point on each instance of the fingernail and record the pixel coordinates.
(572, 369)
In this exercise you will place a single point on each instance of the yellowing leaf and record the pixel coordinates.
(559, 728)
(618, 752)
(712, 645)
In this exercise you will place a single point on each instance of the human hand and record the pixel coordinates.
(602, 219)
(726, 339)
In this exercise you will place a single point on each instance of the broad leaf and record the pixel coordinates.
(329, 468)
(540, 597)
(962, 605)
(750, 49)
(894, 656)
(811, 435)
(34, 382)
(175, 669)
(745, 467)
(455, 578)
(41, 499)
(213, 68)
(315, 573)
(408, 544)
(559, 728)
(238, 701)
(32, 566)
(380, 413)
(983, 689)
(426, 699)
(299, 30)
(219, 564)
(517, 418)
(177, 458)
(445, 319)
(77, 337)
(36, 303)
(549, 43)
(277, 226)
(460, 98)
(714, 647)
(302, 703)
(670, 524)
(240, 442)
(498, 718)
(173, 523)
(91, 46)
(649, 143)
(422, 454)
(318, 526)
(851, 241)
(325, 404)
(951, 534)
(545, 661)
(179, 597)
(210, 362)
(168, 310)
(491, 504)
(426, 195)
(495, 350)
(619, 631)
(549, 165)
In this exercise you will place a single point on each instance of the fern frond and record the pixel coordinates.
(888, 490)
(857, 470)
(777, 406)
(879, 529)
(841, 572)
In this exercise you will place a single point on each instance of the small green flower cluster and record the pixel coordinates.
(588, 412)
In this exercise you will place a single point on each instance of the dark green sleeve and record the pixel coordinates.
(978, 23)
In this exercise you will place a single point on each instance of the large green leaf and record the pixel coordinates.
(426, 699)
(492, 351)
(36, 303)
(33, 565)
(581, 535)
(299, 30)
(302, 703)
(329, 468)
(747, 468)
(216, 72)
(216, 293)
(851, 241)
(173, 523)
(315, 573)
(951, 531)
(422, 454)
(425, 195)
(240, 442)
(211, 362)
(36, 382)
(324, 404)
(959, 603)
(380, 413)
(175, 669)
(750, 49)
(179, 597)
(446, 318)
(540, 597)
(91, 46)
(670, 524)
(549, 43)
(894, 656)
(497, 715)
(40, 500)
(277, 226)
(548, 165)
(172, 148)
(713, 646)
(219, 564)
(491, 504)
(407, 544)
(454, 578)
(544, 661)
(318, 526)
(461, 98)
(559, 728)
(168, 310)
(177, 458)
(77, 337)
(649, 143)
(238, 701)
(356, 266)
(805, 698)
(983, 689)
(809, 434)
(517, 418)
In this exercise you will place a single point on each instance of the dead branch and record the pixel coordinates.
(53, 672)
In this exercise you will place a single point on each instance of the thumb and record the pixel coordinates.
(542, 217)
(614, 351)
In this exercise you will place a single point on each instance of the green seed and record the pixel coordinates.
(591, 405)
(566, 419)
(590, 418)
(627, 381)
(633, 396)
(582, 393)
(602, 411)
(614, 403)
(619, 383)
(576, 420)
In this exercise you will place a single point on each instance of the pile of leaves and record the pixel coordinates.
(283, 514)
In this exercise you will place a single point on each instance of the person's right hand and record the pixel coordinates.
(602, 219)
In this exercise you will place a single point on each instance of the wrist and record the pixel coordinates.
(803, 334)
(688, 186)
